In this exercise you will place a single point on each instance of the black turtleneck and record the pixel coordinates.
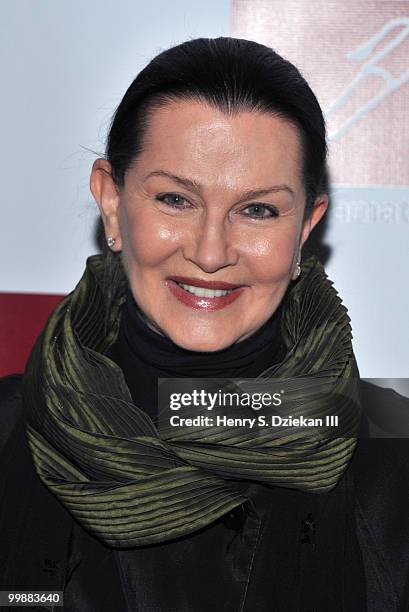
(144, 355)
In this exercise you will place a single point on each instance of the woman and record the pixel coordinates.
(214, 177)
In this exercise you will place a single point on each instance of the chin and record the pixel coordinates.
(203, 345)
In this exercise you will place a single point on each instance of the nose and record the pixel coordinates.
(211, 245)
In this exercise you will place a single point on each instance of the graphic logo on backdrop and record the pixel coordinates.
(372, 67)
(355, 57)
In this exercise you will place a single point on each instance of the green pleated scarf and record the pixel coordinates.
(129, 484)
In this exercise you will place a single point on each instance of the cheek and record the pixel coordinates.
(148, 241)
(270, 258)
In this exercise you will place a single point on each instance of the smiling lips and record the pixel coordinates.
(203, 295)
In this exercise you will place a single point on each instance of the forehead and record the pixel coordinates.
(199, 141)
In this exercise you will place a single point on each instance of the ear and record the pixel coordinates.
(318, 211)
(106, 194)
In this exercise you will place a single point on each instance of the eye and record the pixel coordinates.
(261, 211)
(173, 199)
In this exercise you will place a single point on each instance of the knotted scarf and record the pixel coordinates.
(127, 483)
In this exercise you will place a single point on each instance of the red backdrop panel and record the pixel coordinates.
(22, 317)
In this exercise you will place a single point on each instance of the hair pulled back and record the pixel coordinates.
(232, 75)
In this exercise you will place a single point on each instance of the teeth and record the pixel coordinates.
(202, 292)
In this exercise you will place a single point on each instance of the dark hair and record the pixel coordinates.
(233, 75)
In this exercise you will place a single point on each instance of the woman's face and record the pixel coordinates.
(209, 221)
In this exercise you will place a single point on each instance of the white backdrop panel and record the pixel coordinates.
(64, 68)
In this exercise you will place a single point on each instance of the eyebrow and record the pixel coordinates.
(197, 188)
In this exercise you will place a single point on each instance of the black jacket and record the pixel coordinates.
(283, 551)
